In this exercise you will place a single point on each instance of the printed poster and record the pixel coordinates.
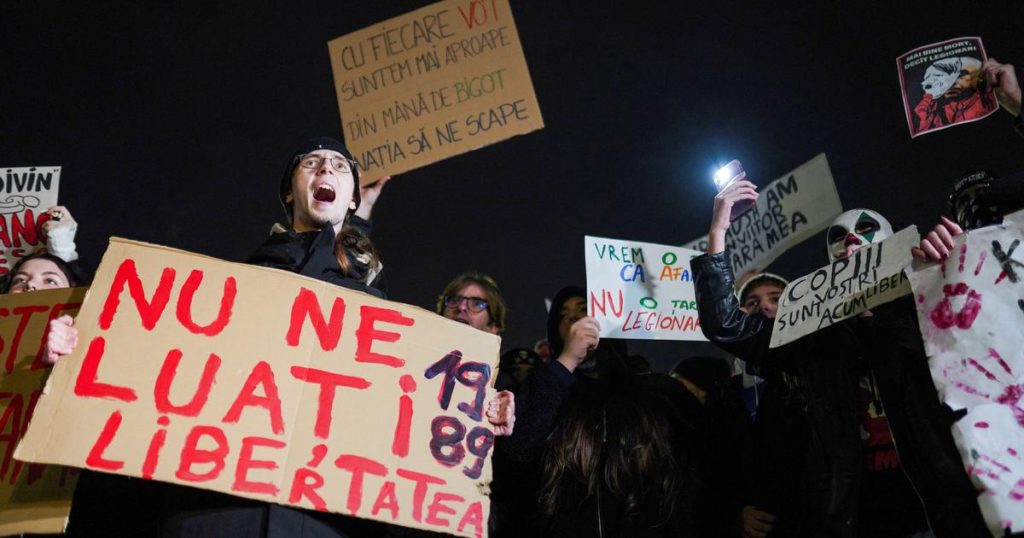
(942, 85)
(25, 194)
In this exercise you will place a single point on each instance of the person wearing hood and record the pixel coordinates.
(853, 481)
(320, 194)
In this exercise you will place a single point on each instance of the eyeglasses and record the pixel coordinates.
(314, 162)
(473, 304)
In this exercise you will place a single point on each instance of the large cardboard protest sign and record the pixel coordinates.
(847, 287)
(789, 210)
(33, 498)
(971, 309)
(641, 290)
(942, 85)
(25, 193)
(273, 386)
(439, 81)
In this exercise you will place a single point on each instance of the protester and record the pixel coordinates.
(853, 481)
(978, 199)
(474, 299)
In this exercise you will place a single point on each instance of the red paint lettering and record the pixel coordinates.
(420, 491)
(261, 375)
(386, 500)
(87, 386)
(11, 418)
(358, 466)
(474, 516)
(367, 334)
(162, 388)
(304, 485)
(95, 458)
(149, 310)
(329, 382)
(191, 454)
(25, 232)
(26, 313)
(307, 305)
(245, 462)
(184, 311)
(155, 445)
(438, 507)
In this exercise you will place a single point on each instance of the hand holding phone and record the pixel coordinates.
(726, 176)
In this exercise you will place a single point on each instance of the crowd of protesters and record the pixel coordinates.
(849, 437)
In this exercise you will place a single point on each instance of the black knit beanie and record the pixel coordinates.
(309, 146)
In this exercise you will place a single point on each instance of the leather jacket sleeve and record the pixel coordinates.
(721, 319)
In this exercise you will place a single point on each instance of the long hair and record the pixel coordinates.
(356, 254)
(614, 450)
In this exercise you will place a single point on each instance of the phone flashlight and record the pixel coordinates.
(727, 175)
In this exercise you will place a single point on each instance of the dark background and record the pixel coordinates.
(173, 122)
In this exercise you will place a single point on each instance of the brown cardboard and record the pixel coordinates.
(256, 431)
(33, 498)
(436, 82)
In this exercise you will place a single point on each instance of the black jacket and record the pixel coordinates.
(830, 363)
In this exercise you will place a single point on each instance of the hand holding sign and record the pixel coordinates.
(938, 243)
(583, 337)
(61, 339)
(1003, 79)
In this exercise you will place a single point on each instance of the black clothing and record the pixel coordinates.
(830, 364)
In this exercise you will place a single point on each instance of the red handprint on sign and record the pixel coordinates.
(1008, 392)
(942, 315)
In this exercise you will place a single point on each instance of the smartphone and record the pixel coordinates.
(727, 175)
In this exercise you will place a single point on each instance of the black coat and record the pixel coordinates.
(830, 363)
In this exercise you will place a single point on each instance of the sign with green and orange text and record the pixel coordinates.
(641, 291)
(272, 386)
(33, 498)
(436, 82)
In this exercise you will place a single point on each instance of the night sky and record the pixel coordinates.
(174, 122)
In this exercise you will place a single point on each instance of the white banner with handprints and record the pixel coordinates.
(971, 310)
(641, 290)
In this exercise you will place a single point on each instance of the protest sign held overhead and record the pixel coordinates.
(33, 498)
(789, 210)
(273, 386)
(970, 309)
(640, 290)
(436, 82)
(942, 85)
(871, 276)
(25, 194)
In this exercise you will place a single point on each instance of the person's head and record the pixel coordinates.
(953, 77)
(853, 230)
(568, 306)
(980, 198)
(705, 377)
(320, 186)
(474, 299)
(40, 271)
(760, 294)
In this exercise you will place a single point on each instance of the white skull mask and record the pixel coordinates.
(855, 228)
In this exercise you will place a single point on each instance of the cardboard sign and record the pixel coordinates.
(33, 498)
(971, 309)
(439, 81)
(641, 291)
(25, 193)
(788, 211)
(941, 85)
(870, 277)
(265, 384)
